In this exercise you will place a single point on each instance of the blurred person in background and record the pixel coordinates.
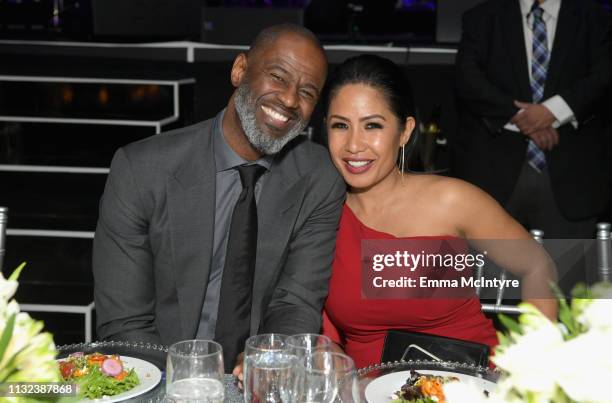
(533, 89)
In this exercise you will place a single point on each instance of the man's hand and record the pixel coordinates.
(546, 139)
(238, 369)
(532, 117)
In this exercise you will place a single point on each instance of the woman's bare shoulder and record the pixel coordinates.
(446, 191)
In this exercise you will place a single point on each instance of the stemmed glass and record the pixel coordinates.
(194, 372)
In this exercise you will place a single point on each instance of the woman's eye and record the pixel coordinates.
(373, 125)
(338, 125)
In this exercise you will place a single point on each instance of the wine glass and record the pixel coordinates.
(328, 377)
(194, 372)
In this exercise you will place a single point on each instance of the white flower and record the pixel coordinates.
(530, 360)
(6, 311)
(540, 366)
(36, 362)
(586, 375)
(23, 332)
(597, 315)
(29, 354)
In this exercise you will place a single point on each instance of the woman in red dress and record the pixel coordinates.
(370, 119)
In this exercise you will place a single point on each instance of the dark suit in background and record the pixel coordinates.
(492, 72)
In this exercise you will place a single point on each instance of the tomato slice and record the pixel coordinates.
(66, 369)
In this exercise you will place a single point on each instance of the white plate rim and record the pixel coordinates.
(142, 368)
(382, 388)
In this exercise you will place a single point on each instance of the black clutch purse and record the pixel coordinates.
(415, 346)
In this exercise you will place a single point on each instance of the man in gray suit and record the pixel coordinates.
(161, 243)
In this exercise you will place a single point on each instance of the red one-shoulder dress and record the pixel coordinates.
(360, 325)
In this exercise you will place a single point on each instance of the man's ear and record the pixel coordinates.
(239, 69)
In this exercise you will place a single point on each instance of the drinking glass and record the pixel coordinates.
(302, 345)
(271, 377)
(265, 343)
(268, 369)
(328, 377)
(194, 372)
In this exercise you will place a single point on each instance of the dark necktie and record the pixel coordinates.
(539, 69)
(234, 315)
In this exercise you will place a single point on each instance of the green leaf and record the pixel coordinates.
(567, 317)
(503, 340)
(566, 314)
(581, 291)
(17, 272)
(510, 324)
(7, 334)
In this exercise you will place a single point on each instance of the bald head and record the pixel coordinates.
(269, 35)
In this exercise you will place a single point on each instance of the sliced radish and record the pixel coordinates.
(111, 367)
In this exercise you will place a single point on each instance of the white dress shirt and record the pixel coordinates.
(556, 104)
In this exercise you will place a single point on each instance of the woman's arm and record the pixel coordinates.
(490, 228)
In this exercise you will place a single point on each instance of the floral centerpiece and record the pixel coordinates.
(546, 362)
(26, 353)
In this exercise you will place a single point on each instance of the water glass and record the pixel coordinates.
(271, 377)
(263, 350)
(264, 343)
(328, 377)
(194, 372)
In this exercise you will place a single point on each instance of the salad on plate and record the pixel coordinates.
(421, 388)
(98, 375)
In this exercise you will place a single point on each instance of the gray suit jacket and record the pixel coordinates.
(153, 243)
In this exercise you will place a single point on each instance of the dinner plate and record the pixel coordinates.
(382, 389)
(148, 374)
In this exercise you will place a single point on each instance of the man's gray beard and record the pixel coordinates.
(260, 140)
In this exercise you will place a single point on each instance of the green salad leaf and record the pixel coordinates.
(95, 384)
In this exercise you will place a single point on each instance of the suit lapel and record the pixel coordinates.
(564, 38)
(512, 21)
(191, 207)
(277, 210)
